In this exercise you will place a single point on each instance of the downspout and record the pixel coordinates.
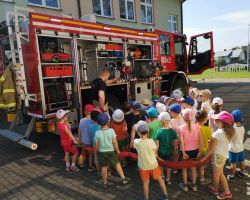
(79, 8)
(182, 1)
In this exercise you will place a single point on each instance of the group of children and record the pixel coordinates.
(166, 128)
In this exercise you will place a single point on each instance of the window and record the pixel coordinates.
(45, 3)
(127, 10)
(146, 11)
(102, 7)
(172, 23)
(164, 45)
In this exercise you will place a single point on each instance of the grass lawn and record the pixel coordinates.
(212, 74)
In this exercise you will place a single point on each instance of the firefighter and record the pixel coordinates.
(7, 89)
(99, 90)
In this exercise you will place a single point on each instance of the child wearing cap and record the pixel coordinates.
(121, 130)
(236, 147)
(206, 134)
(67, 139)
(84, 135)
(194, 94)
(166, 142)
(106, 145)
(93, 127)
(218, 147)
(217, 104)
(205, 96)
(147, 162)
(191, 145)
(154, 123)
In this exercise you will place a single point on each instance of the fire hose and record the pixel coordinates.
(164, 163)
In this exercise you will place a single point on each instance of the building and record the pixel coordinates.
(141, 14)
(223, 57)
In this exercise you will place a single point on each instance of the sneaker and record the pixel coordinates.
(90, 169)
(124, 181)
(224, 195)
(175, 171)
(239, 174)
(205, 181)
(168, 181)
(194, 187)
(230, 178)
(74, 169)
(183, 186)
(164, 197)
(67, 169)
(213, 190)
(83, 166)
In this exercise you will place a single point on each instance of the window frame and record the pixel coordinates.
(43, 5)
(126, 10)
(102, 12)
(146, 5)
(167, 49)
(172, 22)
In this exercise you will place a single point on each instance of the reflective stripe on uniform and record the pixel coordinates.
(2, 79)
(8, 90)
(7, 105)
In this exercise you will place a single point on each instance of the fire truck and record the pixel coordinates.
(55, 59)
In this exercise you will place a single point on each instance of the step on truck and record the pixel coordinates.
(55, 59)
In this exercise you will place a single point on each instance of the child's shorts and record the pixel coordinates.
(166, 157)
(70, 149)
(236, 157)
(107, 157)
(192, 154)
(84, 151)
(146, 174)
(218, 160)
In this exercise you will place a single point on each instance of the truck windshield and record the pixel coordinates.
(179, 52)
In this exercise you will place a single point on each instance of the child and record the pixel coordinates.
(218, 147)
(147, 162)
(84, 134)
(121, 130)
(217, 104)
(191, 145)
(154, 124)
(236, 147)
(194, 94)
(93, 128)
(105, 146)
(166, 142)
(206, 133)
(161, 107)
(128, 116)
(205, 96)
(67, 139)
(188, 102)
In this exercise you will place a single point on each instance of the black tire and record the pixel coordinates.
(182, 85)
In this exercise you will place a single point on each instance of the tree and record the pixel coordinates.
(221, 61)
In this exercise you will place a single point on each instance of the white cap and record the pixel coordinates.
(177, 93)
(141, 127)
(160, 107)
(217, 100)
(60, 113)
(118, 115)
(164, 116)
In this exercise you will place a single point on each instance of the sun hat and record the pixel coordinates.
(224, 116)
(176, 108)
(155, 98)
(145, 102)
(187, 114)
(237, 115)
(89, 108)
(61, 113)
(103, 119)
(141, 127)
(164, 116)
(217, 100)
(152, 112)
(118, 115)
(194, 92)
(160, 107)
(188, 100)
(136, 105)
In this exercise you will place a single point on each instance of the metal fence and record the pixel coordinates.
(236, 67)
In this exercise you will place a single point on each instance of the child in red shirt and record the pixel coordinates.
(67, 139)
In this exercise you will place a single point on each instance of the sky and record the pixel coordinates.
(228, 19)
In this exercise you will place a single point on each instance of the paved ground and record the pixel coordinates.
(40, 175)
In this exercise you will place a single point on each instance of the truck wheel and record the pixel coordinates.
(182, 85)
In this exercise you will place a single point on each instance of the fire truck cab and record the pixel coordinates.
(58, 58)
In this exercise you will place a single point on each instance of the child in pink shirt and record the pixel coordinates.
(191, 146)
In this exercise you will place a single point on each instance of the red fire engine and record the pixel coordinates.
(59, 57)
